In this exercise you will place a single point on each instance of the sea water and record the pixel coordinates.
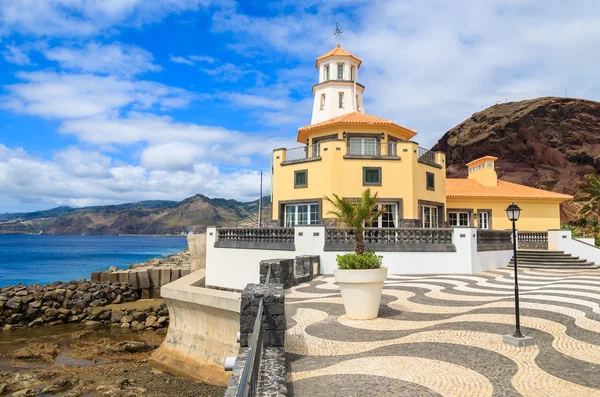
(42, 259)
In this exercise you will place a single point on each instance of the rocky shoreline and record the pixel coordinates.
(104, 362)
(29, 306)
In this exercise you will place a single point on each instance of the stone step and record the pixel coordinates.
(525, 263)
(565, 259)
(589, 265)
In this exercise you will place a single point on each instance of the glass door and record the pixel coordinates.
(484, 220)
(430, 217)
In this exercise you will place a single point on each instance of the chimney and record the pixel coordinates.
(483, 170)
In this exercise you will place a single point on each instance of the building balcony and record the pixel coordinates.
(367, 150)
(362, 150)
(302, 154)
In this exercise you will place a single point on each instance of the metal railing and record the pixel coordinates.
(426, 156)
(494, 240)
(532, 240)
(307, 152)
(251, 371)
(371, 149)
(392, 239)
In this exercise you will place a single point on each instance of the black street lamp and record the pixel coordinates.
(513, 212)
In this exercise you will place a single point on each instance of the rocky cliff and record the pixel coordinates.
(549, 143)
(146, 217)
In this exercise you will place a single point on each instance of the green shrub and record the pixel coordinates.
(368, 260)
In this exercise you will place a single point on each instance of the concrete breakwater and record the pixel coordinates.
(83, 301)
(147, 278)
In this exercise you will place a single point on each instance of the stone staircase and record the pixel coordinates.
(551, 260)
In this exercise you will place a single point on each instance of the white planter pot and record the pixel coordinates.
(361, 291)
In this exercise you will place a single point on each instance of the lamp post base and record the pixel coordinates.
(521, 342)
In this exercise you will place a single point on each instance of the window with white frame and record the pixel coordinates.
(484, 220)
(430, 216)
(352, 73)
(341, 99)
(327, 72)
(301, 214)
(458, 218)
(389, 218)
(363, 146)
(322, 101)
(357, 104)
(340, 71)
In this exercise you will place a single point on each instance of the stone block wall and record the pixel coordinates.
(306, 267)
(273, 320)
(146, 281)
(282, 272)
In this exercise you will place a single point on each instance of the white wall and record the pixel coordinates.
(234, 268)
(587, 240)
(562, 240)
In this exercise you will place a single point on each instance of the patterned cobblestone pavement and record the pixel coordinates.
(442, 336)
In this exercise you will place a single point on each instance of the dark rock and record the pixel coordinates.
(116, 316)
(51, 313)
(139, 316)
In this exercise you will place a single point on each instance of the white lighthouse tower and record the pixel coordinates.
(338, 91)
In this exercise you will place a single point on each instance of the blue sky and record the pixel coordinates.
(110, 101)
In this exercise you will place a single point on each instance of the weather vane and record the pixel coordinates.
(338, 31)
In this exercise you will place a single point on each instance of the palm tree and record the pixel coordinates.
(356, 215)
(590, 197)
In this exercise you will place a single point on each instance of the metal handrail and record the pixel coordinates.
(249, 378)
(374, 149)
(303, 153)
(426, 156)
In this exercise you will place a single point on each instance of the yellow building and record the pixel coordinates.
(345, 151)
(481, 200)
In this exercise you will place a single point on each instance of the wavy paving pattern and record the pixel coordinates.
(442, 336)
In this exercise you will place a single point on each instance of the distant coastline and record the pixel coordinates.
(43, 259)
(93, 235)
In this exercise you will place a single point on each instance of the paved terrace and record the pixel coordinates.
(442, 335)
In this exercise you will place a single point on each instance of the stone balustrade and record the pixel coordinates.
(494, 240)
(392, 239)
(532, 240)
(270, 238)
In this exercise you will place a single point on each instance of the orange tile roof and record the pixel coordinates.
(355, 118)
(337, 52)
(470, 188)
(352, 118)
(481, 159)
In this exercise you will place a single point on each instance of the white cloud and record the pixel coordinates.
(180, 60)
(227, 72)
(24, 178)
(192, 59)
(65, 96)
(202, 58)
(16, 55)
(116, 58)
(171, 156)
(84, 163)
(85, 17)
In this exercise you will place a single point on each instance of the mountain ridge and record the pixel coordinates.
(194, 213)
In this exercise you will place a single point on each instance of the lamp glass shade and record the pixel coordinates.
(513, 212)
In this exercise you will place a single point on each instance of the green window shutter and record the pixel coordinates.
(430, 181)
(301, 178)
(372, 176)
